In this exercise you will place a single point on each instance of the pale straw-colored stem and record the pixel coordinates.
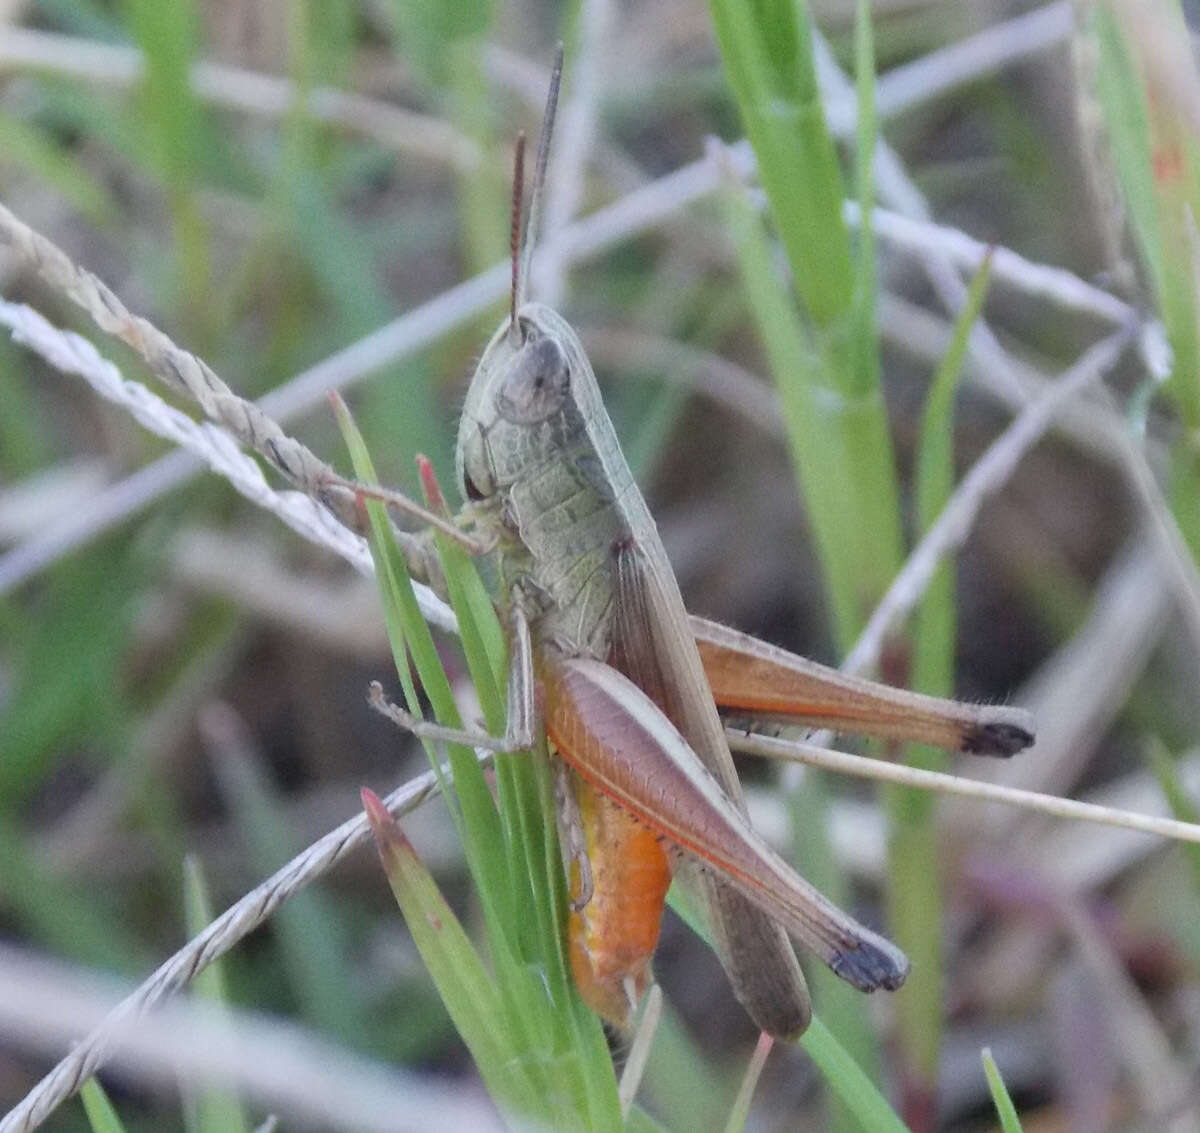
(217, 939)
(249, 92)
(72, 354)
(861, 767)
(986, 477)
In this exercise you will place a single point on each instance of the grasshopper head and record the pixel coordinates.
(519, 408)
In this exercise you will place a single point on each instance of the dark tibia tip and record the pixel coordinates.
(869, 966)
(999, 739)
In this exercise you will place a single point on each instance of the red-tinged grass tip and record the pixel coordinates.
(430, 487)
(377, 814)
(1168, 165)
(389, 837)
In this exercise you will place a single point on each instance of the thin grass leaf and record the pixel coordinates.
(817, 459)
(31, 149)
(1005, 1110)
(740, 1111)
(844, 1076)
(522, 820)
(767, 52)
(211, 1110)
(864, 336)
(101, 1115)
(481, 828)
(914, 857)
(845, 1011)
(467, 990)
(1156, 164)
(935, 629)
(766, 47)
(1178, 799)
(1128, 122)
(173, 127)
(866, 439)
(547, 1027)
(313, 947)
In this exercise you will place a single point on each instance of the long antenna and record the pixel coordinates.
(514, 330)
(539, 175)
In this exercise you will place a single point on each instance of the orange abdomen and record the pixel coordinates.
(612, 939)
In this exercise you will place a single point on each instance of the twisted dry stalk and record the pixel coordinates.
(73, 354)
(220, 936)
(178, 368)
(192, 377)
(989, 473)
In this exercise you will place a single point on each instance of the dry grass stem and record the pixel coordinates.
(250, 92)
(575, 137)
(638, 211)
(45, 1004)
(221, 935)
(73, 354)
(178, 369)
(986, 476)
(862, 767)
(639, 1050)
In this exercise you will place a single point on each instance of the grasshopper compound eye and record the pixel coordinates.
(537, 383)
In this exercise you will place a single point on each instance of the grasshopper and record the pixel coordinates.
(628, 686)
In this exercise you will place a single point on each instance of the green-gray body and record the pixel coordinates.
(539, 459)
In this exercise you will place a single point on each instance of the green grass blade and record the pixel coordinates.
(1156, 164)
(100, 1113)
(866, 438)
(211, 1110)
(313, 948)
(483, 838)
(1182, 807)
(853, 1088)
(846, 1013)
(467, 990)
(767, 53)
(914, 858)
(864, 337)
(525, 825)
(1128, 122)
(817, 457)
(766, 47)
(933, 650)
(1005, 1110)
(173, 128)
